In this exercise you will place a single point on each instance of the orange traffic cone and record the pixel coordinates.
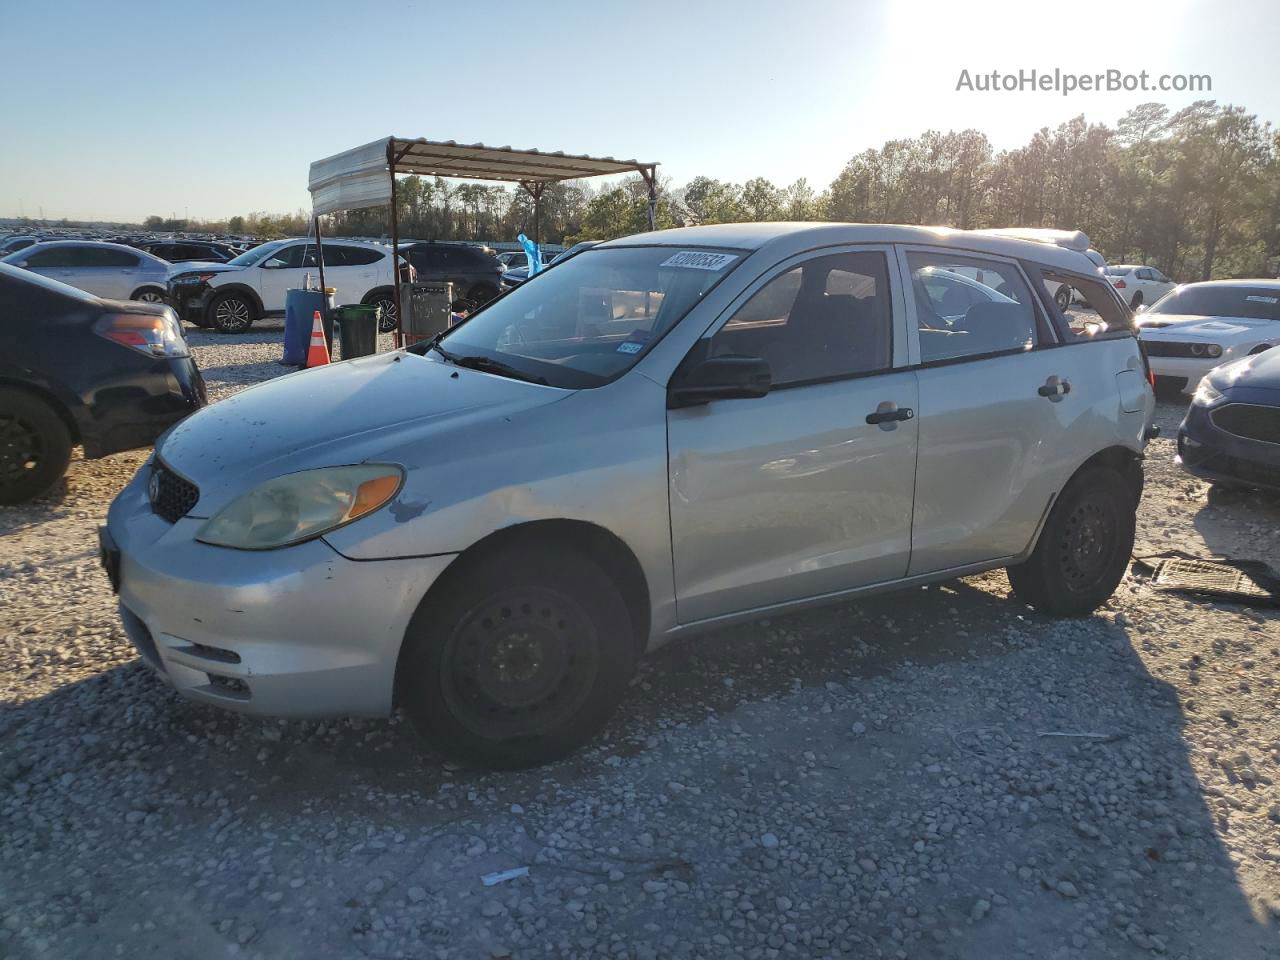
(318, 351)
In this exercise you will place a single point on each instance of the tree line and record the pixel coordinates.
(1194, 192)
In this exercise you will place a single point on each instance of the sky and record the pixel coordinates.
(117, 110)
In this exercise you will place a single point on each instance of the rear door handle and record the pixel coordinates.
(1055, 388)
(887, 413)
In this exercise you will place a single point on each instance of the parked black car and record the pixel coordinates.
(474, 274)
(1231, 434)
(108, 375)
(186, 251)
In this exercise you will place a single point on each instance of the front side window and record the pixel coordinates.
(106, 257)
(590, 320)
(51, 257)
(288, 257)
(970, 307)
(825, 318)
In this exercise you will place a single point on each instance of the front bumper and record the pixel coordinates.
(296, 632)
(189, 300)
(138, 406)
(1208, 451)
(1191, 369)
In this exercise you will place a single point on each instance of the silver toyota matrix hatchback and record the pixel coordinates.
(664, 434)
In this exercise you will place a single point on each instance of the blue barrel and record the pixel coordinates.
(300, 308)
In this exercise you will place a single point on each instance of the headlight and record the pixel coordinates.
(302, 506)
(1206, 395)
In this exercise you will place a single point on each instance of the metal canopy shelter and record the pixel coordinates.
(366, 176)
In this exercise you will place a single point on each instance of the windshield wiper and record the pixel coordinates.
(489, 365)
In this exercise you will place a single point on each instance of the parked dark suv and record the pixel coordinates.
(474, 274)
(108, 375)
(185, 251)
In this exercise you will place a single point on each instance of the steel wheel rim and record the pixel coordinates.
(1088, 543)
(521, 663)
(20, 450)
(232, 314)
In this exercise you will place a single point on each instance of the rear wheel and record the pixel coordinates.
(519, 659)
(390, 319)
(232, 313)
(35, 446)
(1084, 548)
(482, 293)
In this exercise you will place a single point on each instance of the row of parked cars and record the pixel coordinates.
(229, 295)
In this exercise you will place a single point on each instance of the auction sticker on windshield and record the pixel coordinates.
(699, 260)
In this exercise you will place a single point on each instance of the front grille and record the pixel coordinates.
(1249, 421)
(172, 496)
(1167, 348)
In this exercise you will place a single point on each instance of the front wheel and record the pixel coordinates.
(1135, 301)
(1084, 548)
(1063, 297)
(148, 295)
(231, 313)
(35, 446)
(518, 659)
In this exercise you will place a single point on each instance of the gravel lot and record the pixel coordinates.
(887, 778)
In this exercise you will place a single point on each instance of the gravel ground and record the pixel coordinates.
(942, 773)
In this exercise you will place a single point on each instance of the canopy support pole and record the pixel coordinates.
(534, 189)
(319, 254)
(650, 177)
(395, 243)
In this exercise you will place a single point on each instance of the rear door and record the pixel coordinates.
(795, 494)
(358, 272)
(994, 409)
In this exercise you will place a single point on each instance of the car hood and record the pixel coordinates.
(1256, 373)
(199, 266)
(1179, 326)
(394, 407)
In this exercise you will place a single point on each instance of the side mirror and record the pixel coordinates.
(719, 378)
(1141, 307)
(273, 264)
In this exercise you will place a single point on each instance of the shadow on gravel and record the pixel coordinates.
(1089, 846)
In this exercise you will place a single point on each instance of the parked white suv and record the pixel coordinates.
(1139, 285)
(661, 435)
(230, 296)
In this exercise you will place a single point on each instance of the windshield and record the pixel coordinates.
(591, 318)
(1253, 303)
(250, 257)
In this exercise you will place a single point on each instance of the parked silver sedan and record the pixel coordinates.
(112, 271)
(667, 433)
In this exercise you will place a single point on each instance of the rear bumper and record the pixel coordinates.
(1211, 453)
(135, 408)
(296, 632)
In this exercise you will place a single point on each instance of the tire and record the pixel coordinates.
(1062, 297)
(549, 613)
(387, 300)
(482, 293)
(148, 295)
(1084, 548)
(35, 446)
(231, 313)
(1135, 301)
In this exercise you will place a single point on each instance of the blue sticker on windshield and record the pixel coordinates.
(630, 346)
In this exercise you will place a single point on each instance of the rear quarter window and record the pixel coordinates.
(1095, 307)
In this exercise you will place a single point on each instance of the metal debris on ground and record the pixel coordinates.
(1240, 580)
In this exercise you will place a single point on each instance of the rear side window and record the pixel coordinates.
(824, 319)
(357, 256)
(1095, 307)
(968, 307)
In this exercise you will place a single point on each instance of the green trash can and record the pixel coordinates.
(358, 329)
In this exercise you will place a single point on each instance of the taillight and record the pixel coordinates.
(155, 334)
(1119, 284)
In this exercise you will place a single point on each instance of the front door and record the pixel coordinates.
(286, 269)
(796, 494)
(994, 408)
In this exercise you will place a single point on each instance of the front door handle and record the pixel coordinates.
(1055, 388)
(889, 412)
